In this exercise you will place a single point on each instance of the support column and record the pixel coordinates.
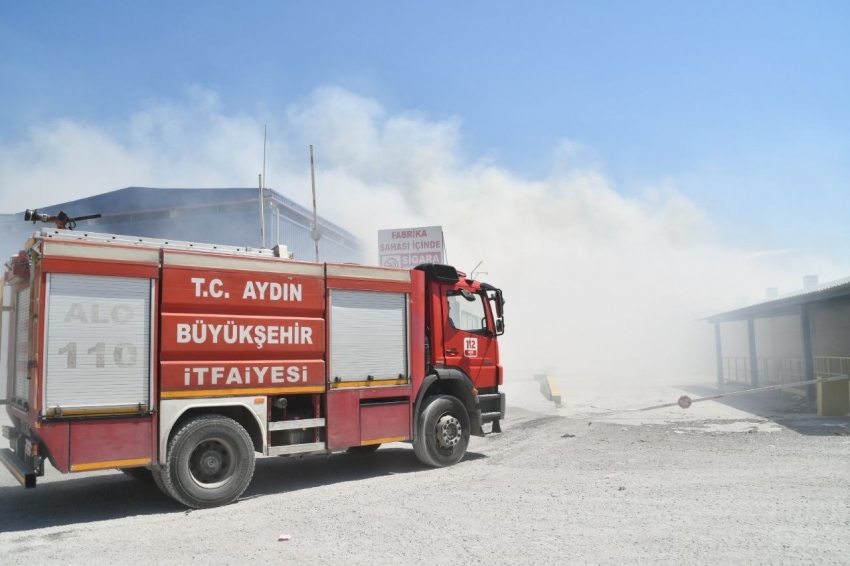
(719, 350)
(754, 364)
(808, 356)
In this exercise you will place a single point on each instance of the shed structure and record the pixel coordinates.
(798, 337)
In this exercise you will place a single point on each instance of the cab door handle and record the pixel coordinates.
(451, 352)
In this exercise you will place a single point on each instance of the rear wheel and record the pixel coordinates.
(443, 431)
(210, 462)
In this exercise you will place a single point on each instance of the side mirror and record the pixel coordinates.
(500, 327)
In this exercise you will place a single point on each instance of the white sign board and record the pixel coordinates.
(408, 247)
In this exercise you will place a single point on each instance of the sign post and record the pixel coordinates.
(408, 247)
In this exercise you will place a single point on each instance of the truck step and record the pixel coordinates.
(19, 469)
(296, 424)
(487, 417)
(489, 396)
(297, 449)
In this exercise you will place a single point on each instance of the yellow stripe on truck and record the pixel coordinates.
(372, 383)
(110, 464)
(383, 440)
(238, 392)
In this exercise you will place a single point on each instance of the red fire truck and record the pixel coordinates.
(180, 361)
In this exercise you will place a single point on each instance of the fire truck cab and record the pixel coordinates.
(178, 362)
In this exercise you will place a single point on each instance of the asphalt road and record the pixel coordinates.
(729, 485)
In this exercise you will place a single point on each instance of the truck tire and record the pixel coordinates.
(156, 474)
(443, 432)
(368, 449)
(210, 462)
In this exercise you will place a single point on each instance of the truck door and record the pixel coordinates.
(469, 342)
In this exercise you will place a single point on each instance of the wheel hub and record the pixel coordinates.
(209, 463)
(448, 431)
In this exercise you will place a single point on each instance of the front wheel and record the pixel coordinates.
(443, 432)
(210, 462)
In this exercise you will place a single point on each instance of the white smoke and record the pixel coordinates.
(596, 283)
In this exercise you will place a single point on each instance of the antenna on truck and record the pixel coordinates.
(475, 273)
(61, 219)
(316, 234)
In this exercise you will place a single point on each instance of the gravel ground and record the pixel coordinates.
(729, 485)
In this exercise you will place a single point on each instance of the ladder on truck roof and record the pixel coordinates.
(278, 251)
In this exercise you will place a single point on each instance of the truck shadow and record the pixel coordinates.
(74, 500)
(336, 468)
(790, 411)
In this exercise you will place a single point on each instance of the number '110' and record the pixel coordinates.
(124, 354)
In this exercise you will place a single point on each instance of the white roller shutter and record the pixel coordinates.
(368, 335)
(98, 341)
(21, 351)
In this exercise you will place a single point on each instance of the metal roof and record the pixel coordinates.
(147, 199)
(787, 304)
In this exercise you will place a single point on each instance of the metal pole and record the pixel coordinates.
(808, 355)
(444, 253)
(316, 234)
(719, 350)
(262, 216)
(263, 193)
(754, 364)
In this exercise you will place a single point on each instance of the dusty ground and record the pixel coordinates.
(738, 482)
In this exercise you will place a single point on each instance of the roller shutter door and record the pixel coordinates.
(21, 352)
(98, 341)
(368, 335)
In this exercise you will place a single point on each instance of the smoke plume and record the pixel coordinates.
(597, 284)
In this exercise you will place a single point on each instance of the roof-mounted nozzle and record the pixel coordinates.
(61, 219)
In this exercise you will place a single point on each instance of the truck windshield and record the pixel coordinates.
(466, 312)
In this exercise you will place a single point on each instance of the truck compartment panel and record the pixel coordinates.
(110, 443)
(343, 414)
(98, 341)
(385, 421)
(21, 349)
(368, 336)
(57, 438)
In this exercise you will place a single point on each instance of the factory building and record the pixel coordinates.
(215, 216)
(797, 337)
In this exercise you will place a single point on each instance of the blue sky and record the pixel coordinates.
(741, 106)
